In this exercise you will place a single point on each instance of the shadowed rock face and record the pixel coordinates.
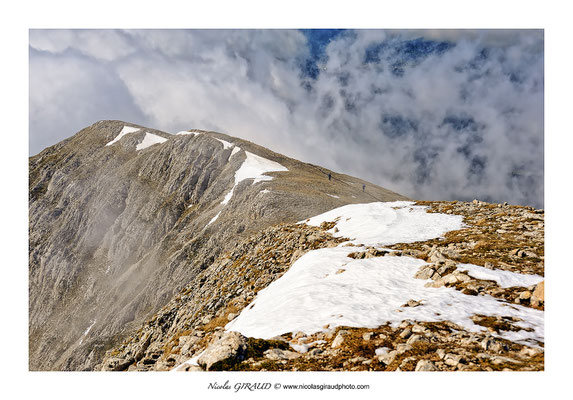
(115, 231)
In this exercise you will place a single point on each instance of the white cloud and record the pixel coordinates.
(70, 92)
(358, 117)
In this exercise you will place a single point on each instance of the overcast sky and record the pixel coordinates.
(429, 114)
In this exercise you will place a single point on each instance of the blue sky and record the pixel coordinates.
(436, 114)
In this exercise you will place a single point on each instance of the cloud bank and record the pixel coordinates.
(429, 114)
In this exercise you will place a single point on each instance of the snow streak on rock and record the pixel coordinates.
(214, 219)
(126, 129)
(235, 151)
(226, 145)
(254, 167)
(149, 140)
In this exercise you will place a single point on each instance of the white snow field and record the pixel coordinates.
(254, 167)
(379, 224)
(124, 131)
(325, 287)
(149, 140)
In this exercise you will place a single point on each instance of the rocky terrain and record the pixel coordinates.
(122, 218)
(189, 333)
(150, 251)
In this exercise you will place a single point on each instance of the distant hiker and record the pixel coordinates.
(363, 187)
(329, 176)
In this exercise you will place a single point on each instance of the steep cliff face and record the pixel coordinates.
(122, 217)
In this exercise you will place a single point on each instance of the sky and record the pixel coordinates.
(430, 114)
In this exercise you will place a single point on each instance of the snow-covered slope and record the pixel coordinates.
(325, 288)
(118, 216)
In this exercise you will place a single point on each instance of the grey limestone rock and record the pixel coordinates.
(230, 346)
(115, 232)
(426, 365)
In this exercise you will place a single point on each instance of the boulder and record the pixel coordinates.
(403, 347)
(538, 296)
(436, 284)
(117, 364)
(278, 354)
(231, 346)
(450, 278)
(189, 368)
(406, 333)
(453, 359)
(425, 272)
(387, 358)
(426, 365)
(339, 339)
(416, 338)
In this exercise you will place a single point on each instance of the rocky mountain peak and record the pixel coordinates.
(123, 216)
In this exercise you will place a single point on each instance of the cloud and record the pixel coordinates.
(464, 123)
(69, 92)
(429, 114)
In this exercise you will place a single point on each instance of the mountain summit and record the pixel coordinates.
(123, 217)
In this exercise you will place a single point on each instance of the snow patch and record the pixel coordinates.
(379, 224)
(235, 151)
(226, 145)
(265, 191)
(333, 195)
(504, 279)
(371, 292)
(254, 167)
(228, 196)
(368, 294)
(125, 130)
(189, 132)
(149, 140)
(303, 347)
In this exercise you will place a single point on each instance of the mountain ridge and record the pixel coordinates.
(116, 231)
